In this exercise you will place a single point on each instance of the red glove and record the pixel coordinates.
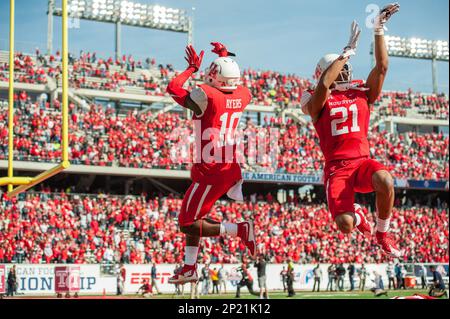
(192, 58)
(175, 87)
(221, 50)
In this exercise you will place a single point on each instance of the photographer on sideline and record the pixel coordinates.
(437, 288)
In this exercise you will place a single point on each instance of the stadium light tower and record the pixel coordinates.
(123, 12)
(415, 48)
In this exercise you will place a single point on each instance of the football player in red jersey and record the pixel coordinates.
(217, 106)
(340, 110)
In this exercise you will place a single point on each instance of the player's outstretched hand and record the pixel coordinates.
(221, 50)
(355, 32)
(385, 14)
(193, 60)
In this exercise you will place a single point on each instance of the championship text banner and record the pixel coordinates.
(316, 179)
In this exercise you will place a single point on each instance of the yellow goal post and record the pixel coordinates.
(24, 183)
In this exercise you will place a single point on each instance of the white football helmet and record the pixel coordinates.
(326, 61)
(223, 74)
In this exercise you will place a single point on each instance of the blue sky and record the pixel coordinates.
(285, 35)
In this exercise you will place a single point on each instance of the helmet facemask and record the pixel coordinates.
(345, 78)
(346, 75)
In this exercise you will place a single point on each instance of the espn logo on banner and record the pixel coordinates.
(67, 279)
(138, 278)
(2, 279)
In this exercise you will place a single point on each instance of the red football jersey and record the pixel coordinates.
(343, 125)
(214, 130)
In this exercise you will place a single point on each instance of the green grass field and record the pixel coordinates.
(308, 295)
(245, 295)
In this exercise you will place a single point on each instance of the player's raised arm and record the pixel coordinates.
(175, 87)
(314, 106)
(378, 74)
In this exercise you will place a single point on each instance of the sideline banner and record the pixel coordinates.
(36, 279)
(2, 279)
(316, 179)
(88, 279)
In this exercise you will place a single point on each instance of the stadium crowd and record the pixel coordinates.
(26, 70)
(425, 106)
(274, 88)
(102, 137)
(61, 227)
(87, 70)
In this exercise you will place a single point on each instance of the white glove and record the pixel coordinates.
(385, 14)
(355, 32)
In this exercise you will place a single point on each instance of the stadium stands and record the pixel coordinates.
(91, 228)
(78, 228)
(101, 137)
(413, 105)
(129, 75)
(25, 68)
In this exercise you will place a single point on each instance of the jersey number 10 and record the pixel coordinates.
(228, 127)
(344, 111)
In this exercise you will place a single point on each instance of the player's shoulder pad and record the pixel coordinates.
(306, 97)
(199, 96)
